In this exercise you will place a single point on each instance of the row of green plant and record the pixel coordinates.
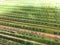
(18, 10)
(15, 34)
(39, 16)
(16, 40)
(41, 39)
(29, 27)
(20, 19)
(8, 42)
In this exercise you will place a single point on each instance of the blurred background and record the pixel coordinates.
(51, 3)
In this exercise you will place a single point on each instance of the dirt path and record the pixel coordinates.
(31, 32)
(21, 39)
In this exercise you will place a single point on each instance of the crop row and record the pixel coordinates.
(20, 19)
(41, 39)
(28, 26)
(8, 42)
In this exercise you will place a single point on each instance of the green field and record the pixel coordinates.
(38, 19)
